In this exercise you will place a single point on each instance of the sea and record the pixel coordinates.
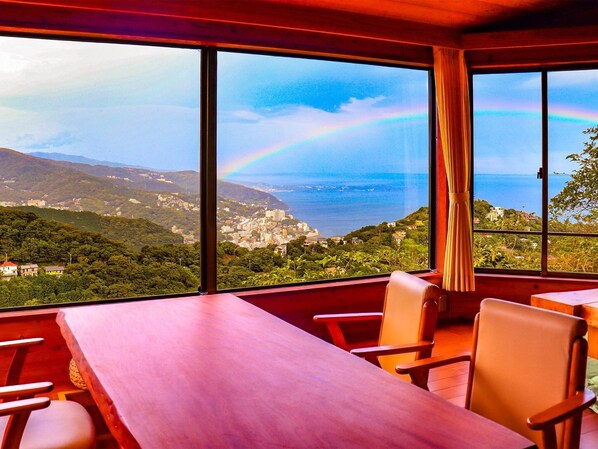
(338, 204)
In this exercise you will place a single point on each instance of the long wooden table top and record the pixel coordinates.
(569, 302)
(217, 372)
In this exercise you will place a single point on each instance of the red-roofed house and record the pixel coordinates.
(8, 270)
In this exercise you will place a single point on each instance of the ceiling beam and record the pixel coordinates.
(27, 19)
(533, 58)
(530, 38)
(233, 13)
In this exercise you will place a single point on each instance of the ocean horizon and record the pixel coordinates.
(338, 204)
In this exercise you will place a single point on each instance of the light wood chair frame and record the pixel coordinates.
(18, 401)
(422, 347)
(568, 411)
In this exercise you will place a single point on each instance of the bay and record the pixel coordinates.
(338, 204)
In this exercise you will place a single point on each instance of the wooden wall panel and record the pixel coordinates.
(297, 305)
(513, 288)
(48, 362)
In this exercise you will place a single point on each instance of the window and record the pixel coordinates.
(507, 146)
(329, 162)
(324, 170)
(572, 172)
(98, 171)
(551, 220)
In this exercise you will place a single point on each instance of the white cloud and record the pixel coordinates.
(573, 78)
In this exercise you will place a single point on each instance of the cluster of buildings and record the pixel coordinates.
(498, 212)
(31, 202)
(9, 269)
(274, 226)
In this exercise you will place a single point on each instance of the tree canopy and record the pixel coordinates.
(578, 200)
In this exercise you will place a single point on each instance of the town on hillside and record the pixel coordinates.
(272, 227)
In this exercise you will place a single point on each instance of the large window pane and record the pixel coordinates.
(98, 171)
(325, 166)
(507, 156)
(573, 174)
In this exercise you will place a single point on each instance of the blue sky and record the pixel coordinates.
(140, 105)
(320, 116)
(131, 104)
(508, 127)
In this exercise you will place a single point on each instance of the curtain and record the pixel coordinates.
(452, 94)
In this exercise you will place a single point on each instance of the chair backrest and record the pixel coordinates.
(410, 311)
(524, 360)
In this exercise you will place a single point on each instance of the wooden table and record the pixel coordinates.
(217, 372)
(582, 303)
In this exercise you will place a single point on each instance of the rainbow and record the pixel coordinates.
(420, 113)
(563, 114)
(559, 113)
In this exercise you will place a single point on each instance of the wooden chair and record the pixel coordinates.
(408, 322)
(27, 421)
(527, 372)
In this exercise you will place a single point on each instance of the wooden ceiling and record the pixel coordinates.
(459, 15)
(403, 30)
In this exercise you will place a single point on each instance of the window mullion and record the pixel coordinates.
(544, 256)
(208, 177)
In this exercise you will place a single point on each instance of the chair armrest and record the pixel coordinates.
(19, 412)
(432, 362)
(562, 411)
(372, 351)
(348, 317)
(24, 391)
(418, 369)
(332, 323)
(23, 405)
(24, 342)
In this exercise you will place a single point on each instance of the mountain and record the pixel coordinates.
(169, 199)
(186, 181)
(80, 159)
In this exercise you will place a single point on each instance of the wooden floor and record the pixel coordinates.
(450, 382)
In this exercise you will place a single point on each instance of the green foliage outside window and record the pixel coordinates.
(573, 210)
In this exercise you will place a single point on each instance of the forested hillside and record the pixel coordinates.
(99, 268)
(136, 232)
(96, 267)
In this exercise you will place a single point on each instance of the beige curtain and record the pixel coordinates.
(452, 94)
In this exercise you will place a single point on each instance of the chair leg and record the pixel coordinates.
(549, 438)
(420, 378)
(572, 432)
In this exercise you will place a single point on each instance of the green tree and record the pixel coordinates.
(578, 199)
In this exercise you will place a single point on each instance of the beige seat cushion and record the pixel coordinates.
(64, 425)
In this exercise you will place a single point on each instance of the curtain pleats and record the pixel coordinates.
(452, 94)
